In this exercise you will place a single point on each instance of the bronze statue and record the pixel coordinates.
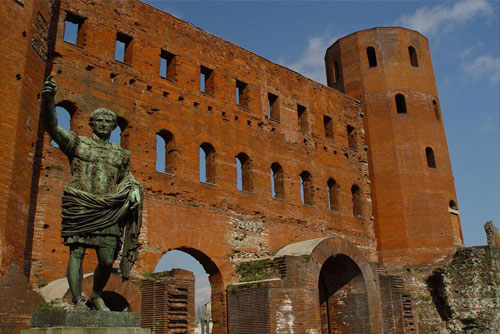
(102, 205)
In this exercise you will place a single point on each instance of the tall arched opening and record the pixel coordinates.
(343, 297)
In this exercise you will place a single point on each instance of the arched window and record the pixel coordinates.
(429, 153)
(453, 205)
(207, 163)
(351, 137)
(118, 136)
(401, 104)
(243, 172)
(306, 188)
(436, 109)
(356, 201)
(336, 72)
(165, 152)
(64, 112)
(413, 56)
(372, 56)
(277, 185)
(333, 202)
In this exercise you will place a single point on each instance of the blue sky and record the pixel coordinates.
(464, 39)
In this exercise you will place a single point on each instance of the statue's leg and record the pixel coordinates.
(74, 273)
(106, 256)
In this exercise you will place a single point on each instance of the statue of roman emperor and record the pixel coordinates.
(102, 204)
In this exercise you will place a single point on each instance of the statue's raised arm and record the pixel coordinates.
(56, 132)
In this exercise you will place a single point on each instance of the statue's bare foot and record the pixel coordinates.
(98, 304)
(80, 304)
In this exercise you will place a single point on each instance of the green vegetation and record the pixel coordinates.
(255, 270)
(51, 306)
(159, 275)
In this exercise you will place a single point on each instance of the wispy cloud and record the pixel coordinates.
(485, 66)
(311, 63)
(490, 123)
(445, 17)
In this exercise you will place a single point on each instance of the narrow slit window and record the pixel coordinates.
(302, 118)
(333, 202)
(243, 172)
(356, 201)
(401, 104)
(123, 48)
(277, 185)
(413, 56)
(328, 125)
(336, 72)
(273, 107)
(207, 163)
(167, 65)
(242, 98)
(73, 29)
(372, 56)
(165, 152)
(436, 110)
(431, 161)
(207, 80)
(306, 188)
(351, 137)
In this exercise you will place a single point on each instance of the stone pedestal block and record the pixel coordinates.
(85, 322)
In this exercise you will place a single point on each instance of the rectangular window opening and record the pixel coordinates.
(302, 118)
(242, 93)
(73, 29)
(123, 48)
(167, 65)
(273, 107)
(207, 84)
(328, 124)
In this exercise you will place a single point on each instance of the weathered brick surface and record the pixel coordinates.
(410, 200)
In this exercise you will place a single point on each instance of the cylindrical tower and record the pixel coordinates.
(414, 202)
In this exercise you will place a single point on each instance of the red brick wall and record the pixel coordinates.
(410, 200)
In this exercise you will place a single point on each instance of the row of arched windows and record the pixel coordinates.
(400, 101)
(372, 56)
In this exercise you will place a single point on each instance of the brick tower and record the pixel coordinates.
(414, 202)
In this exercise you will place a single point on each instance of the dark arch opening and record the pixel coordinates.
(336, 72)
(243, 172)
(119, 135)
(306, 188)
(453, 205)
(343, 297)
(207, 163)
(436, 110)
(357, 209)
(429, 153)
(372, 56)
(413, 56)
(165, 152)
(116, 302)
(333, 202)
(401, 104)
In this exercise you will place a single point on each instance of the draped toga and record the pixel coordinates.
(96, 210)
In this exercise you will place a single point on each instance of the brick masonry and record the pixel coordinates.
(216, 223)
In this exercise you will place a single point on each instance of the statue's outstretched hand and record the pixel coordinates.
(49, 88)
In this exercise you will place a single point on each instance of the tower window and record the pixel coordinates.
(372, 56)
(328, 125)
(207, 163)
(333, 203)
(73, 32)
(413, 56)
(243, 172)
(273, 107)
(401, 104)
(356, 201)
(277, 184)
(429, 153)
(302, 118)
(123, 48)
(207, 84)
(351, 137)
(336, 72)
(436, 110)
(306, 188)
(165, 152)
(167, 65)
(242, 97)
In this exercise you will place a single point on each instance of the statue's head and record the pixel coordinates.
(103, 122)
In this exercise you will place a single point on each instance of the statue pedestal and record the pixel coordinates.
(85, 322)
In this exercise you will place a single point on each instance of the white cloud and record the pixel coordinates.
(489, 124)
(484, 66)
(431, 20)
(311, 64)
